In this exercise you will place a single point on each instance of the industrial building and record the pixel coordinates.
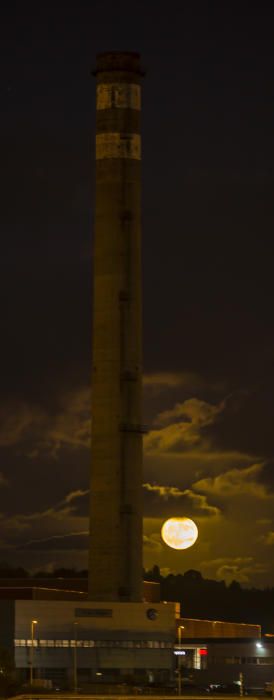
(208, 660)
(56, 639)
(79, 643)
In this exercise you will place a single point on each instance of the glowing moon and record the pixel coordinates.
(179, 533)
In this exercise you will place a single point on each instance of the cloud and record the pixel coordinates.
(68, 506)
(152, 542)
(67, 517)
(78, 501)
(165, 501)
(269, 538)
(34, 431)
(161, 381)
(16, 420)
(195, 411)
(72, 426)
(179, 435)
(240, 569)
(235, 482)
(247, 421)
(69, 541)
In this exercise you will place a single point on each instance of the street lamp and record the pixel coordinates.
(75, 680)
(180, 628)
(33, 622)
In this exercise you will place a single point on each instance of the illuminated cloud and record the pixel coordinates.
(240, 569)
(69, 516)
(196, 412)
(181, 428)
(163, 501)
(69, 541)
(169, 380)
(152, 542)
(269, 538)
(75, 495)
(235, 482)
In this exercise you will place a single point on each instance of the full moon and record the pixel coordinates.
(179, 533)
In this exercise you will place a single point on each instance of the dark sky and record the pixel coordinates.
(208, 154)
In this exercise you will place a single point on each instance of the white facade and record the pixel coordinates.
(104, 640)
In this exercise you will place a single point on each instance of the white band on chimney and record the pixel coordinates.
(121, 95)
(110, 145)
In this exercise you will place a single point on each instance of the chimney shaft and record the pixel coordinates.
(115, 565)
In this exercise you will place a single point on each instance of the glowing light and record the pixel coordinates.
(179, 533)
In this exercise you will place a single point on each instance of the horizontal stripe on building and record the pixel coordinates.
(118, 95)
(116, 145)
(121, 120)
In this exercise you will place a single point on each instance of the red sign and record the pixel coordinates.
(203, 652)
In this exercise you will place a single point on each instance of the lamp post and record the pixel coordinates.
(180, 628)
(33, 622)
(75, 680)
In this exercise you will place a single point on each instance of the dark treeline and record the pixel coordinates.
(7, 571)
(214, 600)
(199, 597)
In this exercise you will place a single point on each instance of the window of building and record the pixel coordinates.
(90, 643)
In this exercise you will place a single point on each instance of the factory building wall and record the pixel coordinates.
(109, 640)
(58, 617)
(226, 659)
(196, 629)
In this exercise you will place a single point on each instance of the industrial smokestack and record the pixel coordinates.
(115, 564)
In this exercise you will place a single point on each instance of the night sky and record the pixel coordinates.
(208, 155)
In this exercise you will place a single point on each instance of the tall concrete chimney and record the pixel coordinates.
(115, 565)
